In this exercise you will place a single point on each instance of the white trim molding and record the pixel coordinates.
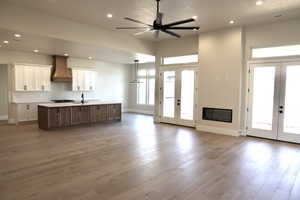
(139, 111)
(12, 121)
(217, 130)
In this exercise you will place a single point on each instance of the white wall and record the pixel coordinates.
(220, 76)
(132, 104)
(264, 35)
(111, 82)
(7, 57)
(274, 34)
(177, 47)
(3, 92)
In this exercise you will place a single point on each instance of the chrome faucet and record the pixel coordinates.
(82, 98)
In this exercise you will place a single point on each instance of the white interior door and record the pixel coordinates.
(274, 101)
(178, 93)
(289, 108)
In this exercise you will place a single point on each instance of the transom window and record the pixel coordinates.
(146, 87)
(181, 59)
(279, 51)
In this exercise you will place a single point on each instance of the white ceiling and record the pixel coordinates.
(212, 14)
(50, 46)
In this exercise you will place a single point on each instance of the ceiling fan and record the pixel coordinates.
(158, 26)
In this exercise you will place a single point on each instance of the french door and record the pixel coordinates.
(274, 101)
(178, 96)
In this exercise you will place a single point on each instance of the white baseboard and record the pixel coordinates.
(217, 130)
(139, 111)
(12, 121)
(3, 117)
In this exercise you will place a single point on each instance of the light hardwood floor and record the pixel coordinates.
(136, 160)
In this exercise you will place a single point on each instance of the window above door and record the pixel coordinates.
(181, 59)
(278, 51)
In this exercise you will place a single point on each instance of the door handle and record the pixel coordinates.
(280, 109)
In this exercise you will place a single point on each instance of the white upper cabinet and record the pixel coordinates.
(44, 81)
(83, 80)
(31, 78)
(19, 78)
(90, 80)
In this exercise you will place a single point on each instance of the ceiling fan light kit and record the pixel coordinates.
(158, 26)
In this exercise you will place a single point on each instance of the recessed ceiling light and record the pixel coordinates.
(5, 42)
(66, 54)
(17, 35)
(231, 22)
(259, 2)
(90, 57)
(36, 51)
(109, 15)
(195, 17)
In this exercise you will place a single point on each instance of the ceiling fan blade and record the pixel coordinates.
(132, 27)
(184, 28)
(140, 33)
(179, 22)
(171, 33)
(137, 21)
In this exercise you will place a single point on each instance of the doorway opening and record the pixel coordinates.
(178, 93)
(274, 101)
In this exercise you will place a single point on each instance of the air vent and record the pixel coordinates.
(217, 114)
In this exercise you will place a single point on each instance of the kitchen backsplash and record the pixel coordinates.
(58, 91)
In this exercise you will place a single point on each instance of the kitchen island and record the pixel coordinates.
(58, 115)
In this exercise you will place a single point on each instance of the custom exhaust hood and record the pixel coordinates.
(61, 72)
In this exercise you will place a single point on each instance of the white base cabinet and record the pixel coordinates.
(27, 112)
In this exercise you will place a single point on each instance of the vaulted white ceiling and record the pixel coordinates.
(81, 27)
(212, 14)
(51, 46)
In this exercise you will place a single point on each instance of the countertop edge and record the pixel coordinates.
(58, 105)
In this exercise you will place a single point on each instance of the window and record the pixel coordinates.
(146, 87)
(290, 50)
(180, 59)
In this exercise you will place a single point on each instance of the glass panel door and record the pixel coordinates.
(169, 81)
(263, 100)
(178, 96)
(263, 97)
(187, 94)
(289, 108)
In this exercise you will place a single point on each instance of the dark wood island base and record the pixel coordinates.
(59, 116)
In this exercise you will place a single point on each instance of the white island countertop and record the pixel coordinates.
(88, 103)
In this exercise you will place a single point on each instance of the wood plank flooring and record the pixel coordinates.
(136, 160)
